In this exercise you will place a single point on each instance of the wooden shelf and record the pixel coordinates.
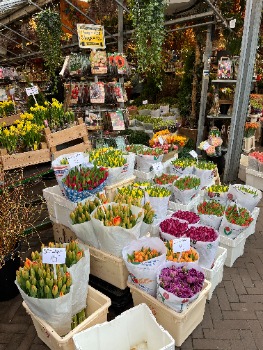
(219, 116)
(225, 81)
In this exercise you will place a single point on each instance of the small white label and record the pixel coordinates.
(76, 159)
(160, 139)
(145, 102)
(33, 90)
(206, 145)
(181, 244)
(158, 167)
(12, 92)
(54, 255)
(193, 154)
(232, 23)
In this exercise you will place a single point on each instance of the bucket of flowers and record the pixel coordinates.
(147, 157)
(116, 225)
(188, 216)
(218, 193)
(205, 240)
(142, 259)
(177, 287)
(250, 129)
(185, 188)
(235, 221)
(158, 197)
(245, 196)
(81, 182)
(182, 166)
(206, 171)
(81, 223)
(51, 290)
(211, 213)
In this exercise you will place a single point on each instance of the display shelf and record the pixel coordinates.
(224, 81)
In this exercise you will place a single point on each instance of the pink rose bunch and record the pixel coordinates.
(210, 151)
(174, 227)
(190, 217)
(215, 141)
(202, 233)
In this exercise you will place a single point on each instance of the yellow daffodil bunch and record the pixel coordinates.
(39, 113)
(167, 140)
(9, 138)
(7, 108)
(30, 133)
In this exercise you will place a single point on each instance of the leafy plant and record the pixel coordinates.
(148, 21)
(136, 136)
(49, 32)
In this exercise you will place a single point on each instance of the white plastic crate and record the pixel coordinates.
(189, 207)
(58, 206)
(215, 274)
(133, 329)
(242, 167)
(179, 325)
(252, 227)
(234, 247)
(254, 178)
(96, 312)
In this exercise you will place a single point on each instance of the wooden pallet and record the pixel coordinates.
(7, 121)
(60, 137)
(24, 159)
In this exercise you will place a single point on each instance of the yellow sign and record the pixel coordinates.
(91, 36)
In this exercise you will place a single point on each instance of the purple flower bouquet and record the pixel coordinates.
(205, 240)
(178, 286)
(173, 228)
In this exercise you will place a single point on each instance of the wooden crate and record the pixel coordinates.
(60, 137)
(24, 159)
(9, 120)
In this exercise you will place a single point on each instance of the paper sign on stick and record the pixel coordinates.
(181, 244)
(54, 255)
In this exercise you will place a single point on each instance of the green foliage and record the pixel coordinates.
(148, 22)
(40, 97)
(136, 136)
(185, 91)
(49, 33)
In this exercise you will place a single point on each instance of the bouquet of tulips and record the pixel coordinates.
(255, 161)
(52, 290)
(178, 286)
(206, 171)
(245, 195)
(211, 213)
(81, 182)
(132, 192)
(218, 193)
(185, 188)
(205, 240)
(142, 184)
(235, 221)
(159, 199)
(171, 228)
(182, 166)
(116, 224)
(250, 129)
(142, 258)
(188, 216)
(81, 222)
(165, 180)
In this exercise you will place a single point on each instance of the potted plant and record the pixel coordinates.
(17, 214)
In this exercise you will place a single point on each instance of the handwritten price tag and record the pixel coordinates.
(158, 167)
(181, 244)
(193, 154)
(160, 139)
(76, 159)
(33, 90)
(206, 145)
(54, 255)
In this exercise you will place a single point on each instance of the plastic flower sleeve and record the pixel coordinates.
(180, 293)
(145, 162)
(144, 274)
(159, 205)
(244, 198)
(206, 176)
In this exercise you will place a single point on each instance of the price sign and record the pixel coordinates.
(194, 154)
(33, 90)
(76, 159)
(181, 244)
(145, 102)
(91, 36)
(158, 167)
(160, 139)
(54, 255)
(206, 145)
